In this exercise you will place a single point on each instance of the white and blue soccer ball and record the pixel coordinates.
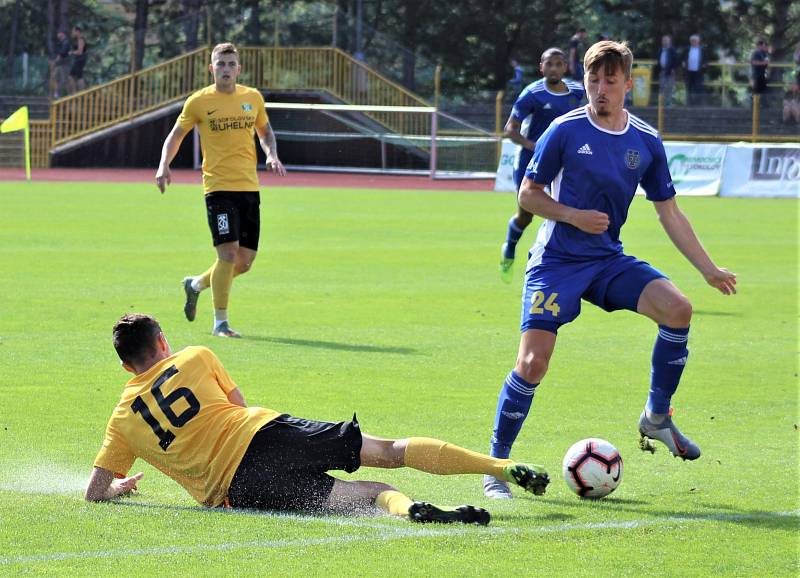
(592, 468)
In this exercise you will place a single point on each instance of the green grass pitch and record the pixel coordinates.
(388, 303)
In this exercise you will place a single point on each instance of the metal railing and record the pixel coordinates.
(730, 81)
(727, 102)
(132, 95)
(40, 143)
(336, 72)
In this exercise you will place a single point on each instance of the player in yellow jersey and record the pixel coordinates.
(183, 414)
(226, 114)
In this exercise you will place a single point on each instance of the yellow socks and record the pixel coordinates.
(394, 502)
(221, 280)
(204, 279)
(438, 457)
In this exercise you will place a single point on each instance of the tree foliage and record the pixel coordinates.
(473, 40)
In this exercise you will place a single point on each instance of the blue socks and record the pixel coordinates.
(669, 358)
(512, 238)
(512, 409)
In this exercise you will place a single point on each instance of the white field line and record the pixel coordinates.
(389, 533)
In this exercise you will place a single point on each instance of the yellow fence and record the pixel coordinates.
(729, 78)
(319, 69)
(132, 95)
(336, 72)
(129, 96)
(40, 143)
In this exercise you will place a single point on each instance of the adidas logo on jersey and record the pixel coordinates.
(547, 106)
(585, 150)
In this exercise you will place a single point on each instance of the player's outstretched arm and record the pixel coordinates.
(103, 486)
(512, 132)
(684, 238)
(171, 146)
(533, 199)
(266, 139)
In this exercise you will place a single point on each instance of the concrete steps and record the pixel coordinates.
(38, 106)
(12, 149)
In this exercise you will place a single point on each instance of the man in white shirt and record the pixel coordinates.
(693, 65)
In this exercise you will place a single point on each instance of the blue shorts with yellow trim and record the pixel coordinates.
(553, 289)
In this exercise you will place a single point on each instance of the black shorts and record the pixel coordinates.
(284, 465)
(78, 64)
(234, 216)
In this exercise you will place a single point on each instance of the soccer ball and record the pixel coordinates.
(592, 468)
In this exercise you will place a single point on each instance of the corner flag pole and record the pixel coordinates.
(19, 121)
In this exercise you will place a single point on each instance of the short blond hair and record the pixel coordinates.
(224, 48)
(609, 55)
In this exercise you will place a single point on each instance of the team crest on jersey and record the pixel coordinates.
(632, 159)
(222, 224)
(247, 107)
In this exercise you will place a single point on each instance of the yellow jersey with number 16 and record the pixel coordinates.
(176, 416)
(227, 124)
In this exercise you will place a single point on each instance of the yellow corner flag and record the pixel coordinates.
(19, 121)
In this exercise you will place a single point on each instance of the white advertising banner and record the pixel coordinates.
(504, 181)
(761, 170)
(737, 170)
(696, 168)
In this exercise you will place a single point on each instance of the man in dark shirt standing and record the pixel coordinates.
(667, 62)
(61, 64)
(79, 60)
(576, 50)
(759, 61)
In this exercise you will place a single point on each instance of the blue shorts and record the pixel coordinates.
(553, 291)
(520, 164)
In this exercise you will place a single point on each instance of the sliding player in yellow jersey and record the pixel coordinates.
(183, 414)
(226, 114)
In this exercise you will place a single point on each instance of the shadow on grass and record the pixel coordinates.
(706, 512)
(716, 313)
(333, 345)
(545, 521)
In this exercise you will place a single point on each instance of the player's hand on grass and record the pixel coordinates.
(594, 222)
(276, 166)
(125, 486)
(723, 280)
(163, 178)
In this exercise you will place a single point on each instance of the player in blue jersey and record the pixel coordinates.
(593, 158)
(537, 106)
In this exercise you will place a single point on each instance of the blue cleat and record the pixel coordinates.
(678, 444)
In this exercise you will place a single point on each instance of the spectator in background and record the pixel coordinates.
(791, 105)
(515, 84)
(78, 54)
(667, 63)
(577, 47)
(61, 64)
(694, 64)
(759, 62)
